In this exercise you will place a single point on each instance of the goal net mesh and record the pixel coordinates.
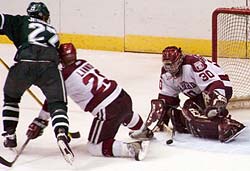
(231, 50)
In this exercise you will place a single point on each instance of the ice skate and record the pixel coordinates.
(62, 141)
(138, 149)
(10, 140)
(142, 134)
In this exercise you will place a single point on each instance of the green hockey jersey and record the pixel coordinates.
(27, 32)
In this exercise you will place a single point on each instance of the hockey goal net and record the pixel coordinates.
(231, 50)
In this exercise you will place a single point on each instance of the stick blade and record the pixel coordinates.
(5, 162)
(74, 134)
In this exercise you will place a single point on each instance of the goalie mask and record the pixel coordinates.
(67, 53)
(38, 10)
(172, 59)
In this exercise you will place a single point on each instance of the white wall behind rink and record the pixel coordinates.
(171, 18)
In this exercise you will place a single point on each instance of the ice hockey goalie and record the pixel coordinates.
(208, 88)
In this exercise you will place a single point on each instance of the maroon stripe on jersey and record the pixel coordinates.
(107, 147)
(100, 115)
(224, 77)
(98, 98)
(190, 59)
(95, 128)
(220, 85)
(215, 85)
(138, 125)
(173, 101)
(67, 70)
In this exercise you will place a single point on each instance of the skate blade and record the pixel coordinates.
(66, 154)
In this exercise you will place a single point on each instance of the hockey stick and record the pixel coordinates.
(10, 163)
(70, 134)
(74, 134)
(171, 130)
(172, 133)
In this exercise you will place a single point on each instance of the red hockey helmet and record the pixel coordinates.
(172, 59)
(67, 53)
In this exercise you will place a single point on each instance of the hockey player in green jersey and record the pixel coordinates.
(36, 64)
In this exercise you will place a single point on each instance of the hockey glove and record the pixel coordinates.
(36, 128)
(216, 104)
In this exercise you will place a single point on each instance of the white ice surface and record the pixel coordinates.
(138, 74)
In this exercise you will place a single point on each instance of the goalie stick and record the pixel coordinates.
(70, 134)
(10, 163)
(171, 130)
(172, 133)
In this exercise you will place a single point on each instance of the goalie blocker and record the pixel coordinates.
(156, 114)
(160, 114)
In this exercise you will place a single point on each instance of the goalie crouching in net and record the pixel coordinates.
(204, 114)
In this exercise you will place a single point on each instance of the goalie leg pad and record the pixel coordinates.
(229, 129)
(204, 128)
(199, 125)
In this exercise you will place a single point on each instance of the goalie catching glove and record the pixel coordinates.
(36, 128)
(215, 104)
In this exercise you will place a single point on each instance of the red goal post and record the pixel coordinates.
(231, 50)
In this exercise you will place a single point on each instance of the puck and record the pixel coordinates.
(170, 141)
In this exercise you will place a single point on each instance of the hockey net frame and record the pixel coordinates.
(231, 60)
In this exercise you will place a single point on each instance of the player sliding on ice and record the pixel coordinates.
(110, 105)
(209, 89)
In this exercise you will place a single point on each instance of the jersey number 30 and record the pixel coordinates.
(206, 75)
